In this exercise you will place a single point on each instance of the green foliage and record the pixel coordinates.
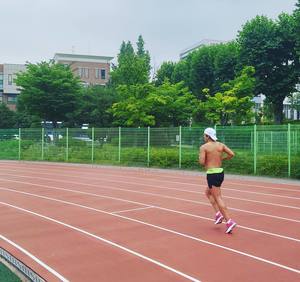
(234, 104)
(94, 106)
(49, 91)
(133, 68)
(147, 105)
(7, 117)
(165, 71)
(270, 46)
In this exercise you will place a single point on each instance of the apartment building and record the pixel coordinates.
(8, 89)
(92, 70)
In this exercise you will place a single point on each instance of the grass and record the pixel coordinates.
(268, 164)
(7, 275)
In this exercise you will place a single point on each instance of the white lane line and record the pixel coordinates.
(157, 207)
(158, 186)
(151, 225)
(103, 239)
(156, 195)
(175, 182)
(51, 270)
(162, 180)
(138, 209)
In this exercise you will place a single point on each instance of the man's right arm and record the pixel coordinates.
(230, 153)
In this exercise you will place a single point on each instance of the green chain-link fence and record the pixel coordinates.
(260, 150)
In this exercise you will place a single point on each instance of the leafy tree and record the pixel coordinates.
(133, 110)
(95, 101)
(49, 91)
(7, 117)
(270, 46)
(172, 104)
(165, 71)
(147, 105)
(233, 104)
(133, 68)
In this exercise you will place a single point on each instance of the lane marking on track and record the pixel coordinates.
(151, 225)
(151, 194)
(105, 241)
(158, 207)
(156, 186)
(27, 253)
(138, 209)
(56, 167)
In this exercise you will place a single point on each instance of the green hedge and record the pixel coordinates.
(160, 157)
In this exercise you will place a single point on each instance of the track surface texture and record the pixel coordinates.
(91, 223)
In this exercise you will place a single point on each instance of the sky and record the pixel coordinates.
(34, 30)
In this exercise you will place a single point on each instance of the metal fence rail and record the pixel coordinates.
(260, 150)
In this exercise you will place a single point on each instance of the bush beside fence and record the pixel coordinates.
(260, 150)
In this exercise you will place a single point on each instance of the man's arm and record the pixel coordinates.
(230, 153)
(202, 156)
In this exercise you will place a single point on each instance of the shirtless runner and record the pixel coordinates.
(211, 156)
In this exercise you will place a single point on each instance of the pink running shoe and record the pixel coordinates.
(230, 225)
(219, 218)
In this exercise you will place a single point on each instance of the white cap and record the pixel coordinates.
(211, 133)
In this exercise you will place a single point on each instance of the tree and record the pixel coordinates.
(147, 105)
(208, 67)
(133, 68)
(172, 104)
(165, 71)
(94, 106)
(234, 104)
(7, 117)
(49, 91)
(270, 46)
(133, 110)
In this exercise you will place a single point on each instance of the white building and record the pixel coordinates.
(288, 111)
(205, 42)
(8, 87)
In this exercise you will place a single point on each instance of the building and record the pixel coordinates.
(92, 70)
(289, 112)
(8, 88)
(204, 42)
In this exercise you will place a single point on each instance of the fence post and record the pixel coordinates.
(120, 144)
(19, 143)
(179, 146)
(67, 144)
(255, 149)
(93, 138)
(43, 132)
(289, 149)
(148, 148)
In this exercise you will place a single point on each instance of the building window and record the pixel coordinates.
(11, 99)
(83, 72)
(103, 74)
(10, 79)
(100, 73)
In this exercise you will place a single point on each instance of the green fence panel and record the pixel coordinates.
(9, 144)
(269, 150)
(79, 145)
(106, 145)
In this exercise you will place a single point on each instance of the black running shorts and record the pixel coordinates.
(215, 179)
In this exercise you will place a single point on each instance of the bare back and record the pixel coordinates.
(211, 154)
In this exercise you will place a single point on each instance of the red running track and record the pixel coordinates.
(90, 223)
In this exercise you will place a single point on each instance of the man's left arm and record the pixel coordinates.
(202, 156)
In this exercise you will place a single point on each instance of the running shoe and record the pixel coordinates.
(230, 225)
(219, 218)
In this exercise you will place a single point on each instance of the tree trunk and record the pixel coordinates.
(278, 111)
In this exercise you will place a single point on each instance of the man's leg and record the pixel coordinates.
(216, 193)
(211, 199)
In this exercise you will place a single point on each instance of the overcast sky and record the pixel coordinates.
(34, 30)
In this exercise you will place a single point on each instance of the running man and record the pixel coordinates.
(211, 156)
